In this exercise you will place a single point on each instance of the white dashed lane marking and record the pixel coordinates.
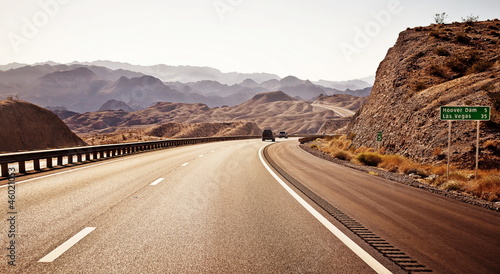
(66, 245)
(157, 181)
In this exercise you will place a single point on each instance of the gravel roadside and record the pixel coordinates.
(405, 179)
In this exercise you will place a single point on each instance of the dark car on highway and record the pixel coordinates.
(268, 134)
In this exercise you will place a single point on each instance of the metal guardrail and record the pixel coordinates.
(94, 153)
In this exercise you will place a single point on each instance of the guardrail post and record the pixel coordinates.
(22, 167)
(78, 158)
(49, 162)
(5, 170)
(70, 159)
(60, 161)
(36, 164)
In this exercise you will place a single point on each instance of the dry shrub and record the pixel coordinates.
(409, 167)
(460, 175)
(342, 143)
(392, 162)
(487, 187)
(369, 158)
(453, 185)
(363, 149)
(342, 155)
(439, 170)
(328, 137)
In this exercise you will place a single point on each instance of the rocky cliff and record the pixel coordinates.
(429, 67)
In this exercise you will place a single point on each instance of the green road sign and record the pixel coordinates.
(379, 136)
(465, 113)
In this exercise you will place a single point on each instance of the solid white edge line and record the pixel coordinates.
(54, 254)
(367, 258)
(157, 181)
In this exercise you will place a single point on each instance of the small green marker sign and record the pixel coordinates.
(379, 136)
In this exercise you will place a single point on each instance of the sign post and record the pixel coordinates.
(379, 139)
(464, 113)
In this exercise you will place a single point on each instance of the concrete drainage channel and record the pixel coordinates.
(394, 254)
(79, 155)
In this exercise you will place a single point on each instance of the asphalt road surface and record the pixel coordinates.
(215, 208)
(444, 235)
(202, 208)
(344, 112)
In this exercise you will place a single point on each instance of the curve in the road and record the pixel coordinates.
(394, 254)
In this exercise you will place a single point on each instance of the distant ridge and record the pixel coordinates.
(115, 105)
(272, 96)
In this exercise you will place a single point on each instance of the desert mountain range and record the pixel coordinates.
(429, 67)
(86, 87)
(189, 74)
(275, 110)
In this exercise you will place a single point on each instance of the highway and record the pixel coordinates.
(216, 208)
(344, 112)
(444, 235)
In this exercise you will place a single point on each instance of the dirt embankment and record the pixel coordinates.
(25, 126)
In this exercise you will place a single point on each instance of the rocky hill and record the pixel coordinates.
(341, 100)
(278, 111)
(191, 130)
(115, 105)
(430, 67)
(29, 127)
(275, 110)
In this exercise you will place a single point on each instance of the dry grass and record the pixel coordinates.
(363, 149)
(342, 155)
(486, 186)
(369, 158)
(439, 170)
(392, 162)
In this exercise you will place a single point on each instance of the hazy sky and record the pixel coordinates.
(313, 39)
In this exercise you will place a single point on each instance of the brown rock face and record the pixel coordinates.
(430, 67)
(25, 126)
(182, 130)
